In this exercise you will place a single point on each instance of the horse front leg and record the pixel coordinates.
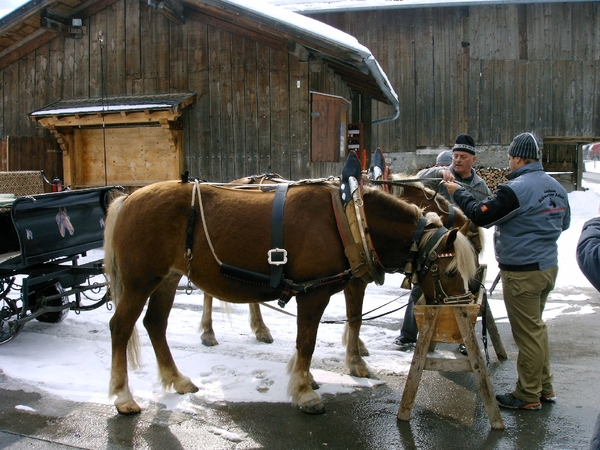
(261, 331)
(122, 332)
(206, 325)
(155, 321)
(310, 310)
(355, 348)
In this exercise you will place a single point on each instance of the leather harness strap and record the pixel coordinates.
(277, 256)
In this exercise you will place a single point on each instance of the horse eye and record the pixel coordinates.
(450, 273)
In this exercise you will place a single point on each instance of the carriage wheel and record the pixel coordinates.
(47, 291)
(10, 309)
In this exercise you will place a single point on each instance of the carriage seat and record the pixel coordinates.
(22, 182)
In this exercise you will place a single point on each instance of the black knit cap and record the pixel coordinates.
(464, 143)
(525, 145)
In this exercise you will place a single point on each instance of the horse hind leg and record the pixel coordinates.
(206, 325)
(155, 322)
(258, 326)
(122, 327)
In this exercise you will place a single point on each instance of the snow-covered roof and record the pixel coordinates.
(323, 6)
(130, 103)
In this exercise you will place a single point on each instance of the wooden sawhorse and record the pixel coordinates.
(452, 324)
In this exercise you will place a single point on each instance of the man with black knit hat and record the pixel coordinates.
(460, 170)
(529, 212)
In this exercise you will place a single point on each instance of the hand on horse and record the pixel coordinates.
(451, 186)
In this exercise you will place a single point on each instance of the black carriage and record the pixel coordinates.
(43, 238)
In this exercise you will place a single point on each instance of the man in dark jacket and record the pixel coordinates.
(588, 258)
(530, 212)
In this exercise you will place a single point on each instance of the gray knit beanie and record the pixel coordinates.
(525, 145)
(444, 158)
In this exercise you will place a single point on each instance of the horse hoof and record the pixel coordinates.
(266, 338)
(128, 410)
(187, 388)
(313, 407)
(209, 341)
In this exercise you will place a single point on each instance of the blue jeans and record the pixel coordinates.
(409, 324)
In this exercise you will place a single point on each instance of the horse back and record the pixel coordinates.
(231, 227)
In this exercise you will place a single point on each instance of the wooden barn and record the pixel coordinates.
(102, 92)
(490, 68)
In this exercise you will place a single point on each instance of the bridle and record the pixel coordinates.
(425, 258)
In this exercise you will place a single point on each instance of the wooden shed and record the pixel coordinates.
(135, 92)
(490, 68)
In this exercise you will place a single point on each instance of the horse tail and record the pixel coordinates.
(111, 270)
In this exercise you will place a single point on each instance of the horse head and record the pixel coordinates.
(407, 188)
(447, 263)
(442, 261)
(64, 222)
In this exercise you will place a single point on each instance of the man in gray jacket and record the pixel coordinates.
(530, 212)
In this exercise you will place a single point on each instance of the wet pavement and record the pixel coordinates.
(448, 412)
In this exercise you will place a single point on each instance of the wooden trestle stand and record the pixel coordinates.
(453, 324)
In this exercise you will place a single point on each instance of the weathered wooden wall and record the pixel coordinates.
(490, 71)
(253, 104)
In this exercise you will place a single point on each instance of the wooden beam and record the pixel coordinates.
(25, 46)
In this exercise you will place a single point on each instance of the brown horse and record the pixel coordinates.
(410, 191)
(146, 243)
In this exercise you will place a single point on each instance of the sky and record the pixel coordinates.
(7, 6)
(241, 369)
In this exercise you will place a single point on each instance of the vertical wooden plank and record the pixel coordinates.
(226, 111)
(198, 130)
(26, 94)
(250, 116)
(54, 83)
(299, 119)
(132, 45)
(405, 83)
(238, 103)
(179, 54)
(486, 100)
(216, 147)
(263, 95)
(81, 63)
(98, 55)
(148, 57)
(280, 113)
(10, 86)
(42, 83)
(115, 57)
(424, 82)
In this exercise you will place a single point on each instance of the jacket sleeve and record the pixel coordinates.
(489, 211)
(588, 251)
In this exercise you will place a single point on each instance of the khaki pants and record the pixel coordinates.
(525, 295)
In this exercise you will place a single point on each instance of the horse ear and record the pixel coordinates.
(452, 237)
(465, 229)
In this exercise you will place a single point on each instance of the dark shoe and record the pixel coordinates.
(403, 340)
(510, 401)
(548, 398)
(463, 349)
